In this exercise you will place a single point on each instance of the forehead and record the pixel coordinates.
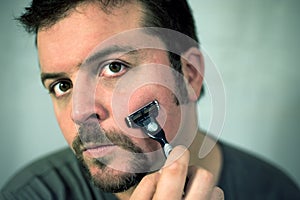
(69, 41)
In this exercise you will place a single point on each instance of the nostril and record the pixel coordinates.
(95, 116)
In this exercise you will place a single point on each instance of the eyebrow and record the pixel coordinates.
(108, 51)
(45, 76)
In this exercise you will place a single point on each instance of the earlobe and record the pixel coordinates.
(193, 70)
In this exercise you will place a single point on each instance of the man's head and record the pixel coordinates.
(82, 96)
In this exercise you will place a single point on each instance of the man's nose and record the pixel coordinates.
(84, 103)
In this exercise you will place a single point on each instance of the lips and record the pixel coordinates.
(95, 146)
(97, 151)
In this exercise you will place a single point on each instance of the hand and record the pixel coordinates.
(169, 182)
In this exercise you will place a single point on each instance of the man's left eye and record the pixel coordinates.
(114, 69)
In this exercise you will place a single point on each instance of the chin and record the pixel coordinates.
(116, 182)
(116, 174)
(111, 180)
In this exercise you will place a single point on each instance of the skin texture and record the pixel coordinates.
(62, 49)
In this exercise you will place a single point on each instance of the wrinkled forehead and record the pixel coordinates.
(132, 42)
(139, 39)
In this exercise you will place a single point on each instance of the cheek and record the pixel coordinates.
(172, 123)
(148, 93)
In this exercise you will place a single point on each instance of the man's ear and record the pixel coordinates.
(193, 70)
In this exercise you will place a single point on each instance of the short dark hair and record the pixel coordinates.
(170, 14)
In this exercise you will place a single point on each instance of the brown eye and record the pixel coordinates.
(114, 69)
(64, 86)
(60, 88)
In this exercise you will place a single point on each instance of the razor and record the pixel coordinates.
(145, 119)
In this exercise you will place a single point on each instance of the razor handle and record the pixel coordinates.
(154, 131)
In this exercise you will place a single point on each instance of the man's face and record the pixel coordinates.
(84, 100)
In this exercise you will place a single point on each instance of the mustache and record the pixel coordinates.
(92, 134)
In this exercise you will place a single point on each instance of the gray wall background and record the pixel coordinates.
(254, 43)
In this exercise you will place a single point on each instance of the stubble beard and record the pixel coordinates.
(107, 178)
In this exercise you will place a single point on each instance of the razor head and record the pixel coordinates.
(141, 116)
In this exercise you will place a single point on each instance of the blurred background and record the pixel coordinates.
(255, 45)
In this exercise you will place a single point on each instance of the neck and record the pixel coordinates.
(212, 160)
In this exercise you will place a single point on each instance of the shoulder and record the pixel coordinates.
(41, 168)
(55, 176)
(245, 176)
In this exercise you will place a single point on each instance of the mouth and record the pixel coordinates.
(92, 145)
(97, 151)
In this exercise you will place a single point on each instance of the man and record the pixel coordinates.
(101, 63)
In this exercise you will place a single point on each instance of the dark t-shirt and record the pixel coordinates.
(58, 176)
(246, 177)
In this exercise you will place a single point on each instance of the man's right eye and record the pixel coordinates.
(60, 88)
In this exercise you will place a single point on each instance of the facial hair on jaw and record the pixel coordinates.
(92, 133)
